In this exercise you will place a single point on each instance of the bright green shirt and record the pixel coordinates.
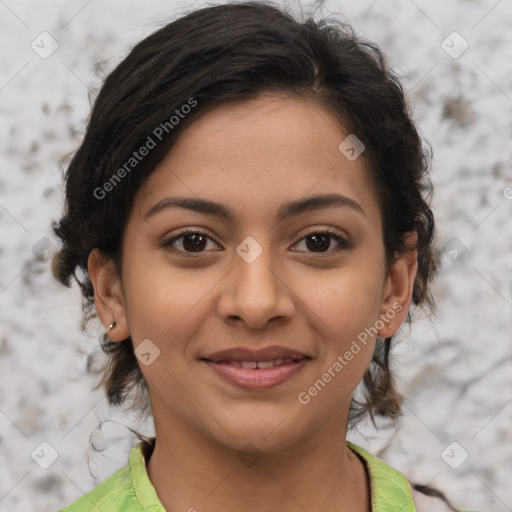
(130, 490)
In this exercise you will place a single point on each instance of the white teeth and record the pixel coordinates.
(265, 364)
(253, 365)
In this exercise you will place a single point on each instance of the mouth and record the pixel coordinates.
(256, 370)
(260, 365)
(273, 353)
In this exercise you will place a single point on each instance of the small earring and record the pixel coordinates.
(389, 326)
(111, 326)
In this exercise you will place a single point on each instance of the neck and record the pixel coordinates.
(192, 472)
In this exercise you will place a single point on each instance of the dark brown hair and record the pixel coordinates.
(234, 52)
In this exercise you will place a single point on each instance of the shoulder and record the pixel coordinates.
(389, 487)
(116, 493)
(106, 496)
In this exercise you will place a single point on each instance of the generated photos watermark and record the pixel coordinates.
(150, 143)
(337, 366)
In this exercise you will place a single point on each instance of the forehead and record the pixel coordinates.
(257, 154)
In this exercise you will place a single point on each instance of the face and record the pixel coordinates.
(266, 268)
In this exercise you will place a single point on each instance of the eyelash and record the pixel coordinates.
(343, 242)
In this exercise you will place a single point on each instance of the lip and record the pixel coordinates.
(260, 378)
(263, 378)
(264, 354)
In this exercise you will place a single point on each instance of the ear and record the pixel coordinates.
(398, 287)
(108, 295)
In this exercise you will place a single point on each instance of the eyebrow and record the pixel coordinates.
(286, 211)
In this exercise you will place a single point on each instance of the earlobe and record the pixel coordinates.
(108, 296)
(398, 288)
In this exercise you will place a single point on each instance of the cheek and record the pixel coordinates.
(163, 303)
(346, 301)
(343, 311)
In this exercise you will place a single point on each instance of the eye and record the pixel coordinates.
(191, 241)
(318, 242)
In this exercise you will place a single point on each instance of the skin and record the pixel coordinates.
(253, 157)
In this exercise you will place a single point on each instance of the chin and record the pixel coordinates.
(259, 435)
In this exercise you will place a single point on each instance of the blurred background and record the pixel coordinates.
(455, 60)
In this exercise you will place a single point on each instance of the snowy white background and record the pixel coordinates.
(456, 370)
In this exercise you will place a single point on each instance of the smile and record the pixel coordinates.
(256, 375)
(253, 365)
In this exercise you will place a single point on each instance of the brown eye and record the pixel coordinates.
(189, 241)
(321, 241)
(192, 242)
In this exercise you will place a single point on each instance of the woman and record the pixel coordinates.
(247, 213)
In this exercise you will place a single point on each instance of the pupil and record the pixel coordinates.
(197, 242)
(319, 241)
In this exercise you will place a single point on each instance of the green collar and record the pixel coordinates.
(390, 490)
(146, 494)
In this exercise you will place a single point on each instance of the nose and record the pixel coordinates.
(256, 292)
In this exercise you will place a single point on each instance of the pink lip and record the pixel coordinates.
(246, 354)
(263, 378)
